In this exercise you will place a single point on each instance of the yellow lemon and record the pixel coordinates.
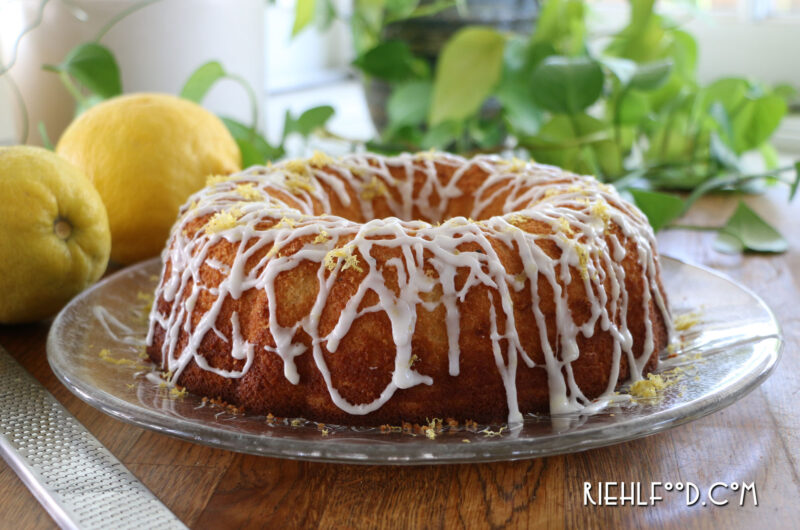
(54, 237)
(145, 154)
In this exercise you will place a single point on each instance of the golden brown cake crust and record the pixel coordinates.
(363, 363)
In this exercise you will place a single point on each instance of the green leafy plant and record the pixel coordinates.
(628, 109)
(91, 74)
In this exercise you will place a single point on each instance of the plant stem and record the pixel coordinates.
(119, 16)
(70, 86)
(694, 228)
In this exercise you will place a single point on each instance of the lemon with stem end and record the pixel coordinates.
(54, 234)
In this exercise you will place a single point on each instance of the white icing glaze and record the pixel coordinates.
(267, 209)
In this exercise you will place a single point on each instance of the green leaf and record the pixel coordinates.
(303, 15)
(651, 75)
(660, 208)
(729, 91)
(400, 9)
(409, 103)
(441, 136)
(393, 61)
(308, 122)
(579, 143)
(567, 85)
(562, 24)
(468, 69)
(623, 69)
(523, 116)
(720, 116)
(769, 154)
(756, 121)
(786, 91)
(251, 156)
(722, 153)
(254, 148)
(746, 231)
(487, 134)
(633, 108)
(514, 92)
(201, 81)
(93, 66)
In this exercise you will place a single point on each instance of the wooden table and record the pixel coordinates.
(755, 440)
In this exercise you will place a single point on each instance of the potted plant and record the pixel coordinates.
(628, 108)
(156, 43)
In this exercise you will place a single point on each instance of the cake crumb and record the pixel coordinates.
(648, 388)
(464, 440)
(105, 355)
(321, 427)
(178, 392)
(686, 321)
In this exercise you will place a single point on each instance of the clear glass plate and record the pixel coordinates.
(731, 344)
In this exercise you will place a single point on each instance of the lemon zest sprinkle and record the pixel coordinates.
(299, 182)
(319, 159)
(346, 253)
(564, 225)
(249, 192)
(212, 180)
(372, 189)
(322, 237)
(224, 220)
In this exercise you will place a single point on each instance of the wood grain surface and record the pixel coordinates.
(757, 439)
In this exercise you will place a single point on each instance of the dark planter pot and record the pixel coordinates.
(427, 35)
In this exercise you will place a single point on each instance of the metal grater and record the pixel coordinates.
(78, 481)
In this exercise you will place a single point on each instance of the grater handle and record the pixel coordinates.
(77, 480)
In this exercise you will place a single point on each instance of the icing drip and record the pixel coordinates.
(280, 217)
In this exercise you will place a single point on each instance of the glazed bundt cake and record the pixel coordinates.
(372, 290)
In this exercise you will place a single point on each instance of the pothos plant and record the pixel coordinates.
(626, 107)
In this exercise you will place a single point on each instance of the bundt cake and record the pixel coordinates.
(373, 290)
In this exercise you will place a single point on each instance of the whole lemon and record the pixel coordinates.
(54, 237)
(145, 154)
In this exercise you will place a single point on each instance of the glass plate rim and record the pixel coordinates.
(353, 452)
